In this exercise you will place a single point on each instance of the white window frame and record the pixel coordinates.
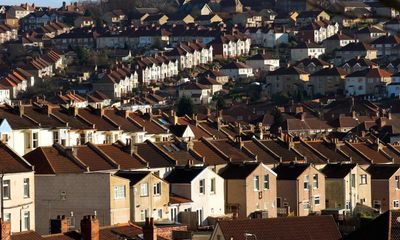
(6, 194)
(317, 197)
(266, 182)
(157, 189)
(119, 192)
(363, 179)
(256, 183)
(26, 221)
(26, 188)
(202, 186)
(213, 186)
(144, 189)
(306, 183)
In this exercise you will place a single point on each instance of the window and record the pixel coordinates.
(353, 180)
(119, 192)
(56, 137)
(363, 179)
(7, 217)
(27, 221)
(35, 140)
(396, 203)
(201, 186)
(159, 213)
(212, 187)
(347, 205)
(315, 181)
(6, 189)
(89, 137)
(306, 182)
(317, 200)
(26, 187)
(108, 139)
(397, 182)
(376, 204)
(157, 188)
(256, 182)
(266, 181)
(144, 213)
(144, 190)
(306, 205)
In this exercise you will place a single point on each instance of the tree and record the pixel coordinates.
(278, 118)
(87, 13)
(280, 99)
(185, 106)
(220, 104)
(83, 55)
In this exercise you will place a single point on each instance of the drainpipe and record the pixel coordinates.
(2, 195)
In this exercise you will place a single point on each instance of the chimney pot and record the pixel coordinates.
(59, 225)
(90, 228)
(149, 230)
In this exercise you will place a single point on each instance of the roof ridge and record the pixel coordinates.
(216, 149)
(102, 154)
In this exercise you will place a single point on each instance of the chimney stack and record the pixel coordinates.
(149, 230)
(59, 225)
(90, 228)
(21, 110)
(5, 230)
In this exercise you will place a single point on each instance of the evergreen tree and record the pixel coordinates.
(185, 107)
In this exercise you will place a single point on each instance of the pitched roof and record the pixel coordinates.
(372, 72)
(11, 162)
(183, 174)
(290, 171)
(304, 45)
(356, 46)
(382, 171)
(292, 70)
(133, 176)
(293, 228)
(335, 71)
(238, 171)
(337, 170)
(27, 235)
(48, 160)
(235, 65)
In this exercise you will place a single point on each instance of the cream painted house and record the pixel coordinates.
(203, 186)
(18, 190)
(7, 33)
(149, 195)
(288, 80)
(250, 190)
(346, 185)
(300, 189)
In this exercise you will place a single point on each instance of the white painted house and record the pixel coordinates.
(305, 50)
(236, 70)
(263, 62)
(393, 89)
